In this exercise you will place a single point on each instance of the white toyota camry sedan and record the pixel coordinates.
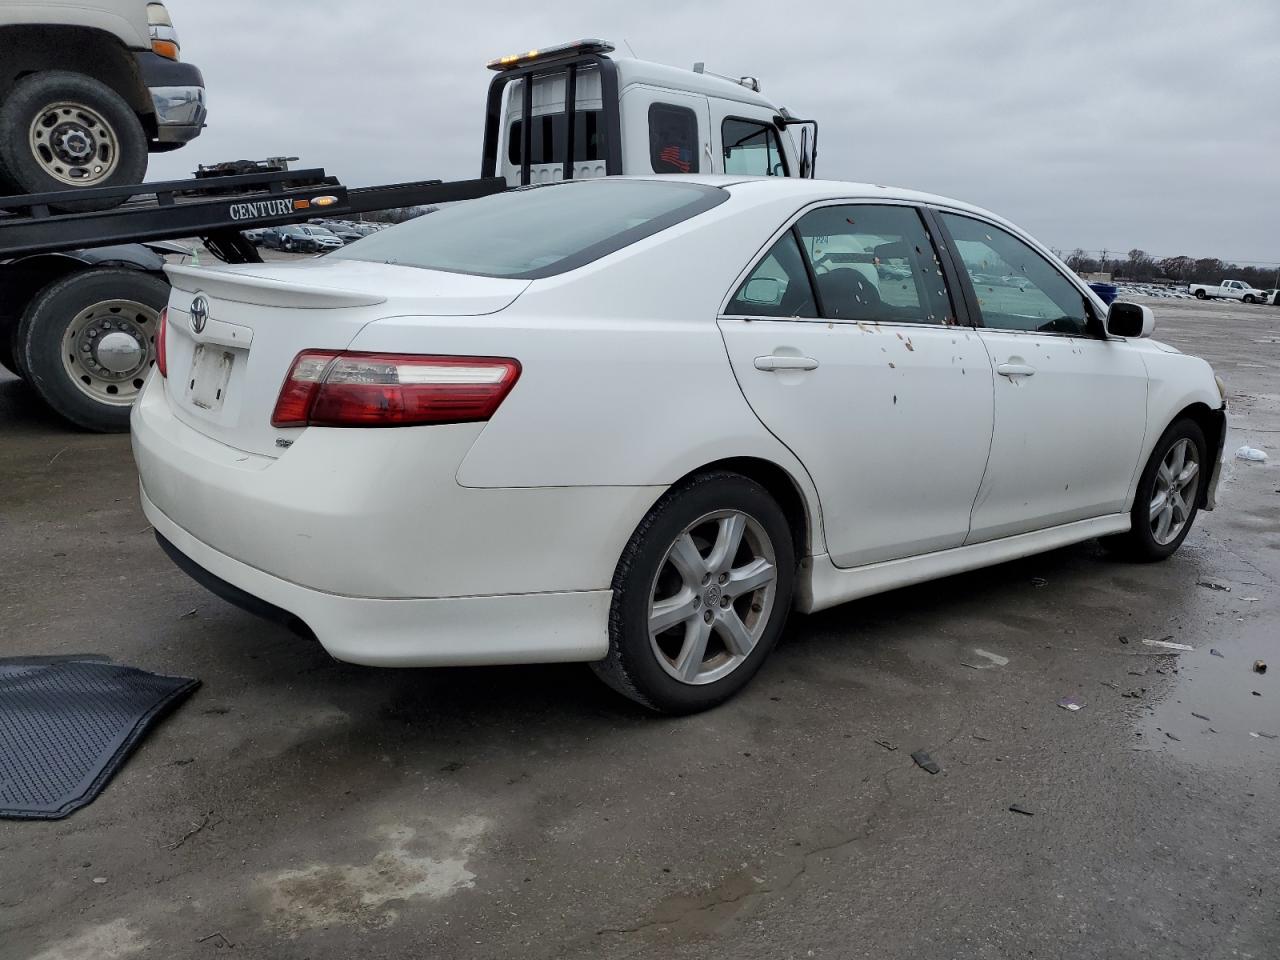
(635, 422)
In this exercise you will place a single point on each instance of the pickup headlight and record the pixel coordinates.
(164, 39)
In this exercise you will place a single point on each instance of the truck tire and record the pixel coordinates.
(62, 131)
(1201, 295)
(87, 343)
(1248, 298)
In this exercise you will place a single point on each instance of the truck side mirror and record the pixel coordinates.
(1130, 320)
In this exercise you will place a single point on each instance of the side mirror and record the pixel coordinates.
(1130, 320)
(762, 290)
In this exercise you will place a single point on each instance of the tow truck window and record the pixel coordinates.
(752, 148)
(673, 139)
(537, 232)
(549, 138)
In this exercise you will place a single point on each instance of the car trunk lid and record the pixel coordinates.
(234, 331)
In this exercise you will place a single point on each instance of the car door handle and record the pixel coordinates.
(786, 363)
(1015, 370)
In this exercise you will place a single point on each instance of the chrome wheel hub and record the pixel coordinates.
(1174, 494)
(108, 348)
(74, 144)
(712, 597)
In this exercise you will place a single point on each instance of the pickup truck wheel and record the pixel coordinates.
(1168, 495)
(1201, 295)
(87, 343)
(63, 131)
(700, 595)
(1249, 298)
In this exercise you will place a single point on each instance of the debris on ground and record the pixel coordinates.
(1250, 599)
(1168, 644)
(888, 745)
(1268, 736)
(190, 614)
(1123, 638)
(1172, 736)
(978, 736)
(1251, 453)
(1213, 585)
(1018, 808)
(995, 658)
(1200, 716)
(99, 880)
(1039, 582)
(926, 762)
(1213, 652)
(1259, 666)
(1071, 703)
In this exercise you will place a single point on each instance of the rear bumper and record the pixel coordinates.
(444, 631)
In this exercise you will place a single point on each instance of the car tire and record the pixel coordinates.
(80, 108)
(1201, 295)
(286, 245)
(91, 388)
(1248, 298)
(1146, 542)
(734, 603)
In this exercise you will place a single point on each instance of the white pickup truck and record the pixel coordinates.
(1228, 290)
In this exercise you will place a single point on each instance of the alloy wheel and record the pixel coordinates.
(1174, 494)
(712, 597)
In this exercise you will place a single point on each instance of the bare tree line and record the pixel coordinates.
(1140, 267)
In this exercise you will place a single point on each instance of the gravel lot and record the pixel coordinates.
(300, 808)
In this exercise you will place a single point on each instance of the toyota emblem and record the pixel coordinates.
(199, 313)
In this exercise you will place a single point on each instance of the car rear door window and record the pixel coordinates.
(778, 286)
(1016, 287)
(874, 264)
(673, 139)
(752, 148)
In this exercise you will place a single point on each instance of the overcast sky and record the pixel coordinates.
(1107, 124)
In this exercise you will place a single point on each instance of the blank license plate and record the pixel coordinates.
(210, 371)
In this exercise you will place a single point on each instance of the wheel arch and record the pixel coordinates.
(93, 52)
(1214, 424)
(782, 486)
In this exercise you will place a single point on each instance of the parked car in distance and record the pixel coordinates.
(1227, 290)
(348, 234)
(300, 238)
(636, 421)
(87, 89)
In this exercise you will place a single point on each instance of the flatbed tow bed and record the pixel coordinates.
(81, 292)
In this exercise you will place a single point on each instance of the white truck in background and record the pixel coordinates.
(1228, 290)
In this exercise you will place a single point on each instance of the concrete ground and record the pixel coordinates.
(300, 808)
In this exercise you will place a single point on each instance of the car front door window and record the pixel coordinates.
(1016, 287)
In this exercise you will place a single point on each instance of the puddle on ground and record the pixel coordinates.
(323, 895)
(1221, 689)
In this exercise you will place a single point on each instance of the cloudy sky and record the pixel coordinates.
(1091, 124)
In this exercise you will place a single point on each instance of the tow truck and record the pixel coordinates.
(81, 292)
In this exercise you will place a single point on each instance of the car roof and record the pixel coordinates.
(809, 191)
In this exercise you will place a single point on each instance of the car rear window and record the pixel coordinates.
(537, 231)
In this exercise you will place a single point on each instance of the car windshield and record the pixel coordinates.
(539, 231)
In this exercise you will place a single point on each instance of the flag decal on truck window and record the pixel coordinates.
(677, 157)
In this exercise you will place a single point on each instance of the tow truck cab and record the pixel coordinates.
(631, 116)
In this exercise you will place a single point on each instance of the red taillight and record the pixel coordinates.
(162, 357)
(332, 389)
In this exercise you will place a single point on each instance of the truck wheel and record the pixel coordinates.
(1201, 295)
(87, 343)
(62, 130)
(1248, 298)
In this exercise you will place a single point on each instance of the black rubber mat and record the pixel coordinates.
(67, 725)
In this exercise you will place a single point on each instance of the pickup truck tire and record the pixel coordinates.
(87, 343)
(64, 131)
(1249, 298)
(1201, 295)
